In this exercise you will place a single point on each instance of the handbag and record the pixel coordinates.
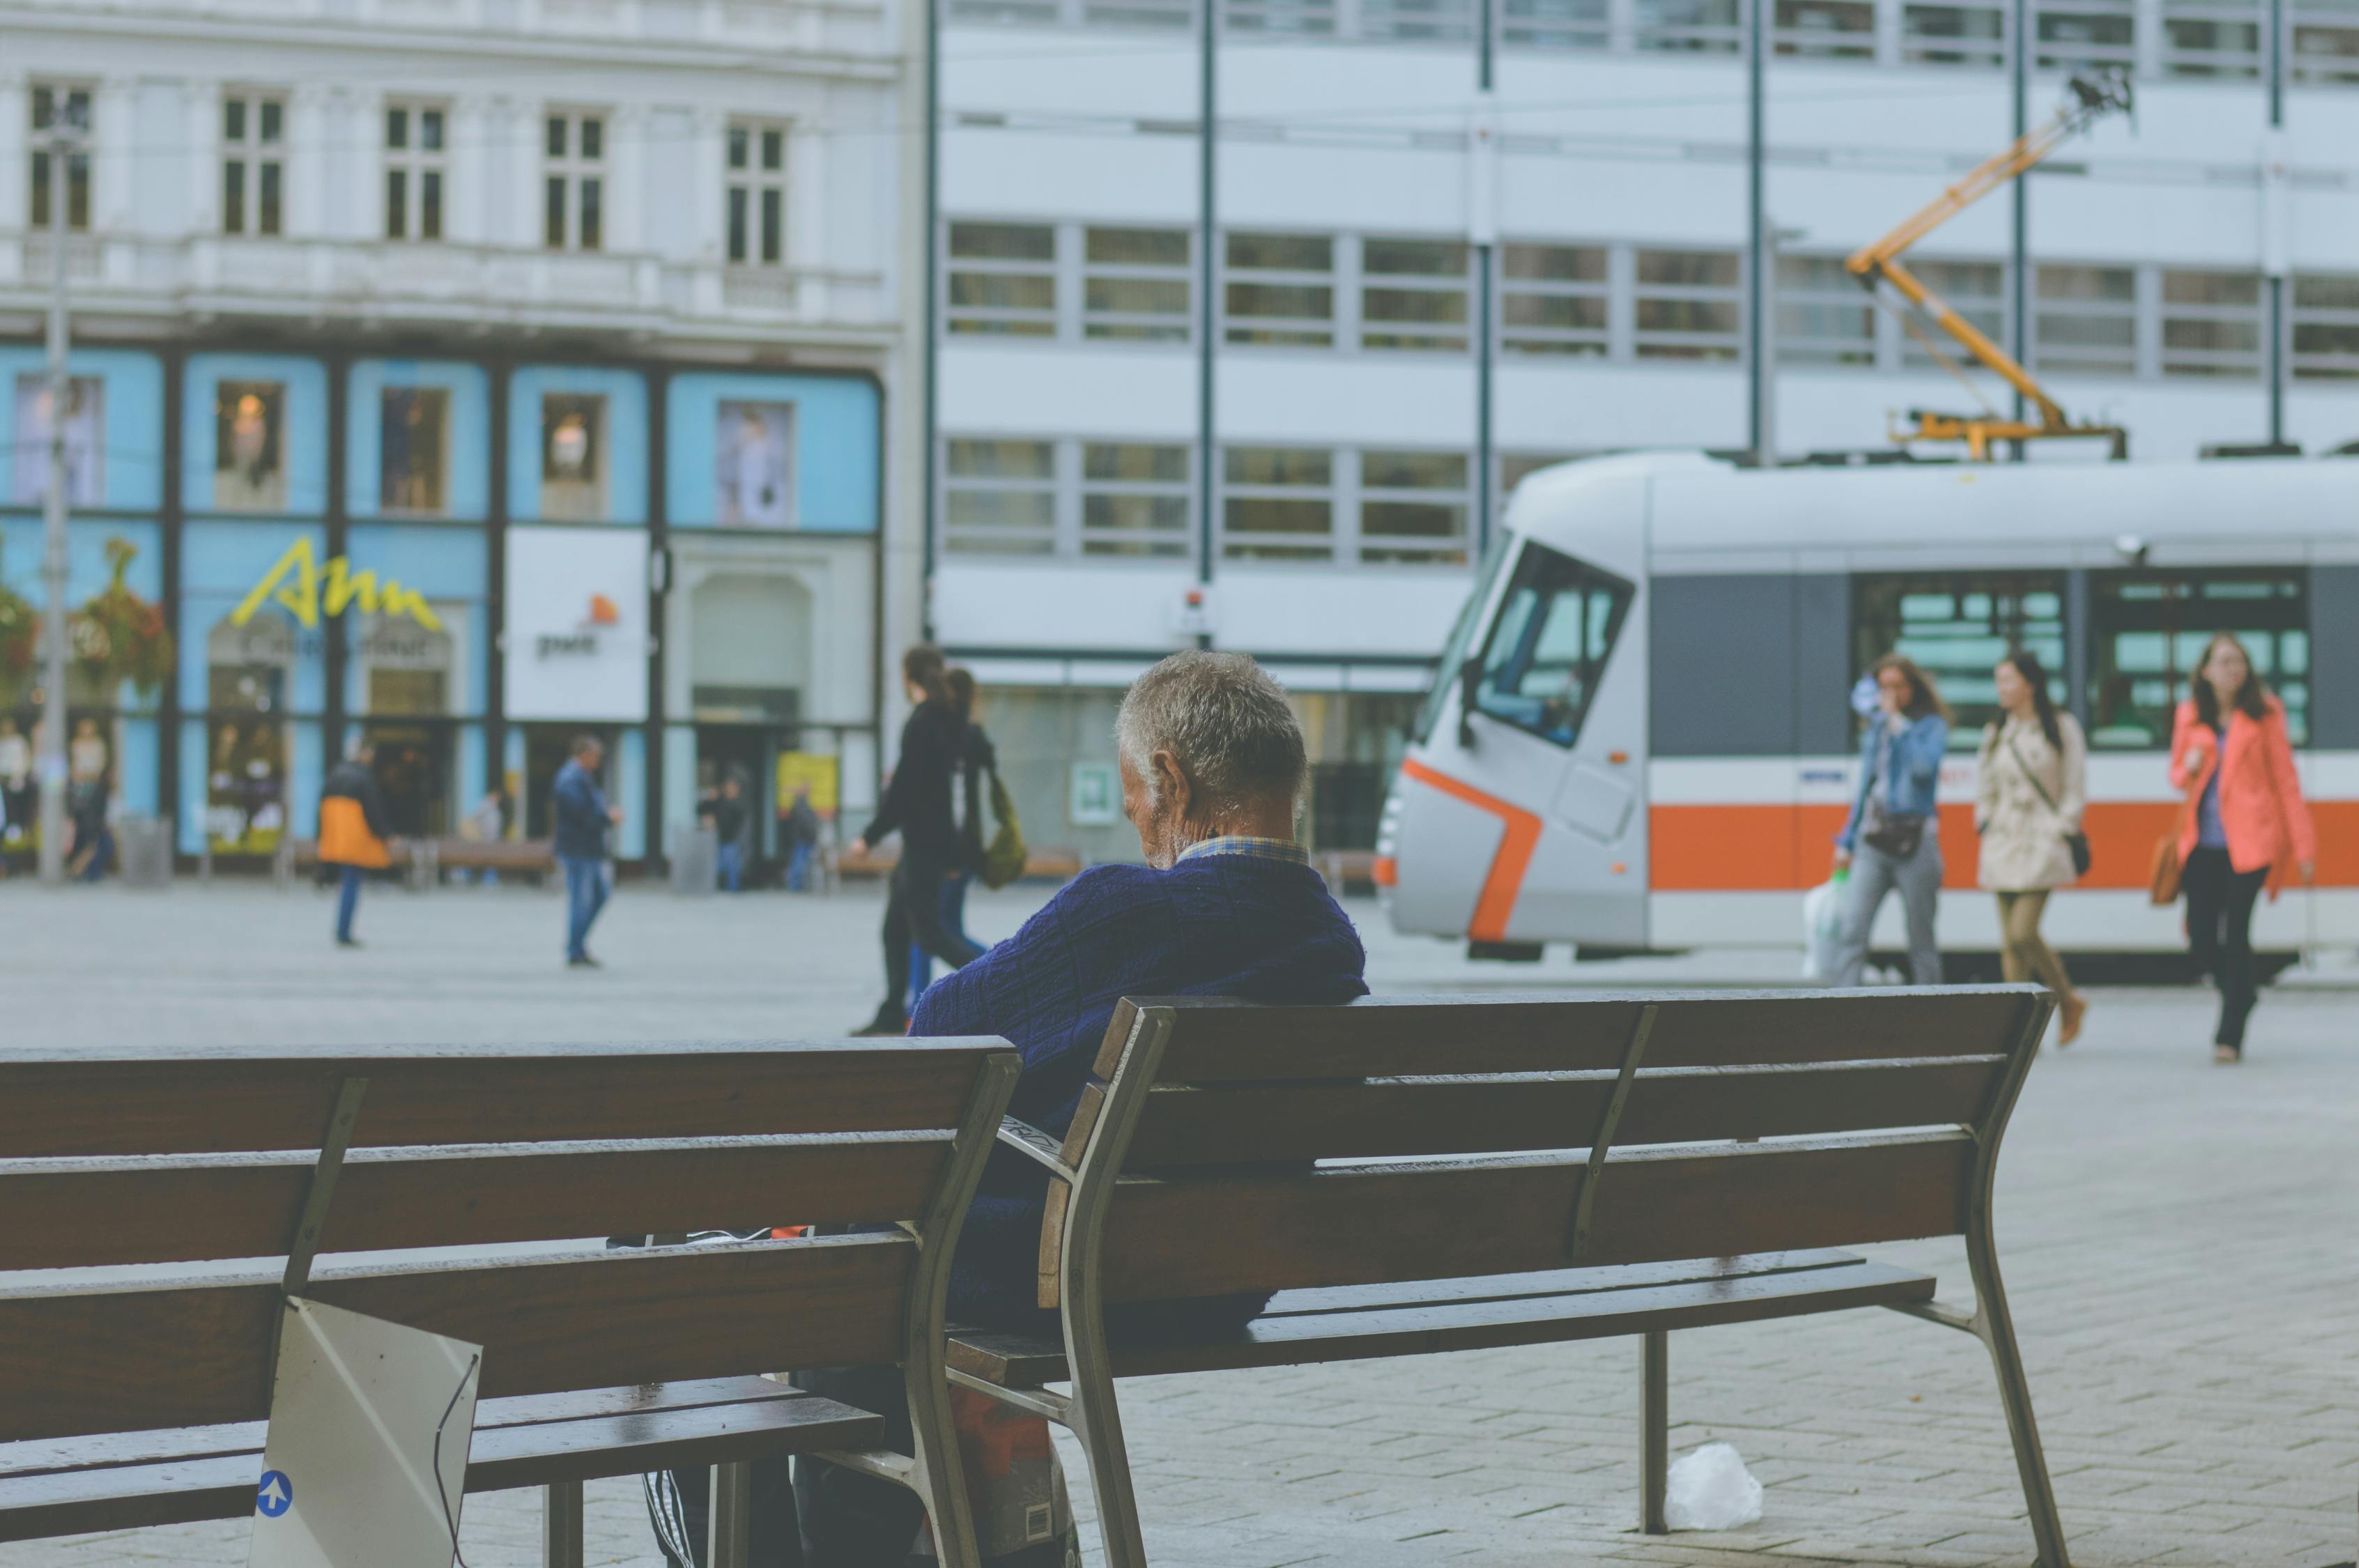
(2163, 875)
(1003, 857)
(1889, 832)
(2074, 838)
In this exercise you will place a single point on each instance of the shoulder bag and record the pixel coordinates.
(2074, 838)
(2162, 877)
(1003, 858)
(1881, 828)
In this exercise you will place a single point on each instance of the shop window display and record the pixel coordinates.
(413, 449)
(247, 673)
(753, 464)
(573, 457)
(85, 427)
(249, 461)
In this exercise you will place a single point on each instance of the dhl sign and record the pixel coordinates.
(298, 583)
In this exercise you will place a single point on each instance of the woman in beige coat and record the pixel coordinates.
(2030, 787)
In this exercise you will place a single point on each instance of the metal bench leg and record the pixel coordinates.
(560, 1525)
(730, 1522)
(1995, 1327)
(1097, 1422)
(1655, 1430)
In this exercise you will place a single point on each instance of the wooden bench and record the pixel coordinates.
(138, 1396)
(1509, 1172)
(429, 857)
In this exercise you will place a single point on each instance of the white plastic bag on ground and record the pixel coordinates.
(1822, 918)
(1711, 1490)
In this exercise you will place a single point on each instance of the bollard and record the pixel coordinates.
(695, 861)
(143, 847)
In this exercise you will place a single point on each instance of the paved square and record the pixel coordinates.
(2181, 1245)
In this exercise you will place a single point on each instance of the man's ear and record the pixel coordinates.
(1172, 785)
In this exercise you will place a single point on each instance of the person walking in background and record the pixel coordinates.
(975, 761)
(582, 819)
(2031, 783)
(917, 805)
(353, 833)
(1891, 839)
(93, 839)
(802, 839)
(730, 819)
(2231, 755)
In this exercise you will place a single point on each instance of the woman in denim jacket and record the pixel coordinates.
(1892, 838)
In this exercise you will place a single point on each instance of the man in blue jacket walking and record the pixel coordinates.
(582, 819)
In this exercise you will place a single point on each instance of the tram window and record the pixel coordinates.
(2149, 631)
(1957, 626)
(1557, 623)
(1461, 636)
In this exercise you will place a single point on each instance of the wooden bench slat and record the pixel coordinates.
(74, 1363)
(166, 1211)
(1216, 1040)
(1187, 1125)
(1390, 1326)
(222, 1485)
(98, 1450)
(57, 1102)
(1234, 1233)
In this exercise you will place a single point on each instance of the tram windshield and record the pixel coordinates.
(1557, 624)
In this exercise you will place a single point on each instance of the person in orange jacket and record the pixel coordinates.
(2231, 755)
(352, 831)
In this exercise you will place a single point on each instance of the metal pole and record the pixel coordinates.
(1208, 273)
(929, 529)
(63, 144)
(2277, 283)
(1485, 351)
(1756, 301)
(2018, 271)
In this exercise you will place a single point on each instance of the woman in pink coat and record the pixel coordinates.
(2231, 756)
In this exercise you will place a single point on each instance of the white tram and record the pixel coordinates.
(1643, 739)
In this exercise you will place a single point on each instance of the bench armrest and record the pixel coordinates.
(1035, 1144)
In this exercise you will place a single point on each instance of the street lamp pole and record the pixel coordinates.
(65, 142)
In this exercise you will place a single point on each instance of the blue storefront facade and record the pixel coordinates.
(466, 560)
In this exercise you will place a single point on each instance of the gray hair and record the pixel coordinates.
(1223, 720)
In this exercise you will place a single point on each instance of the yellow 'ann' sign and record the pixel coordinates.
(305, 599)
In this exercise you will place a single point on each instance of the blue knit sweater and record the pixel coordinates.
(1219, 925)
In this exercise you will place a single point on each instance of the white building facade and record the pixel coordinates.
(577, 318)
(1315, 488)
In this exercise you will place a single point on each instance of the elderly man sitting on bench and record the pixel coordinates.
(1227, 905)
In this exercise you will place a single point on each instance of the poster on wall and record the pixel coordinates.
(85, 427)
(573, 457)
(812, 770)
(753, 464)
(576, 643)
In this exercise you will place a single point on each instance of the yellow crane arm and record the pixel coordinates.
(2092, 97)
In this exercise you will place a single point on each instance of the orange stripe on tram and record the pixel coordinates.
(1505, 879)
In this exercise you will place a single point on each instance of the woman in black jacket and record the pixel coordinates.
(917, 805)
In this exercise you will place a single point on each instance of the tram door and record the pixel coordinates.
(1524, 813)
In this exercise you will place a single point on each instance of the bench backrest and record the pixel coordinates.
(1468, 1137)
(164, 1159)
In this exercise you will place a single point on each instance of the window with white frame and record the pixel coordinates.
(1135, 499)
(2213, 38)
(1688, 304)
(755, 184)
(1977, 290)
(2325, 312)
(1554, 299)
(2084, 320)
(1824, 317)
(2070, 35)
(1417, 21)
(417, 161)
(2325, 42)
(2210, 322)
(1278, 503)
(1689, 26)
(1002, 279)
(999, 497)
(1825, 30)
(1008, 13)
(1137, 284)
(50, 103)
(1413, 508)
(1556, 25)
(1972, 33)
(1280, 290)
(1413, 294)
(254, 144)
(573, 189)
(1314, 19)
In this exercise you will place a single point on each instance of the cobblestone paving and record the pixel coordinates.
(2181, 1245)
